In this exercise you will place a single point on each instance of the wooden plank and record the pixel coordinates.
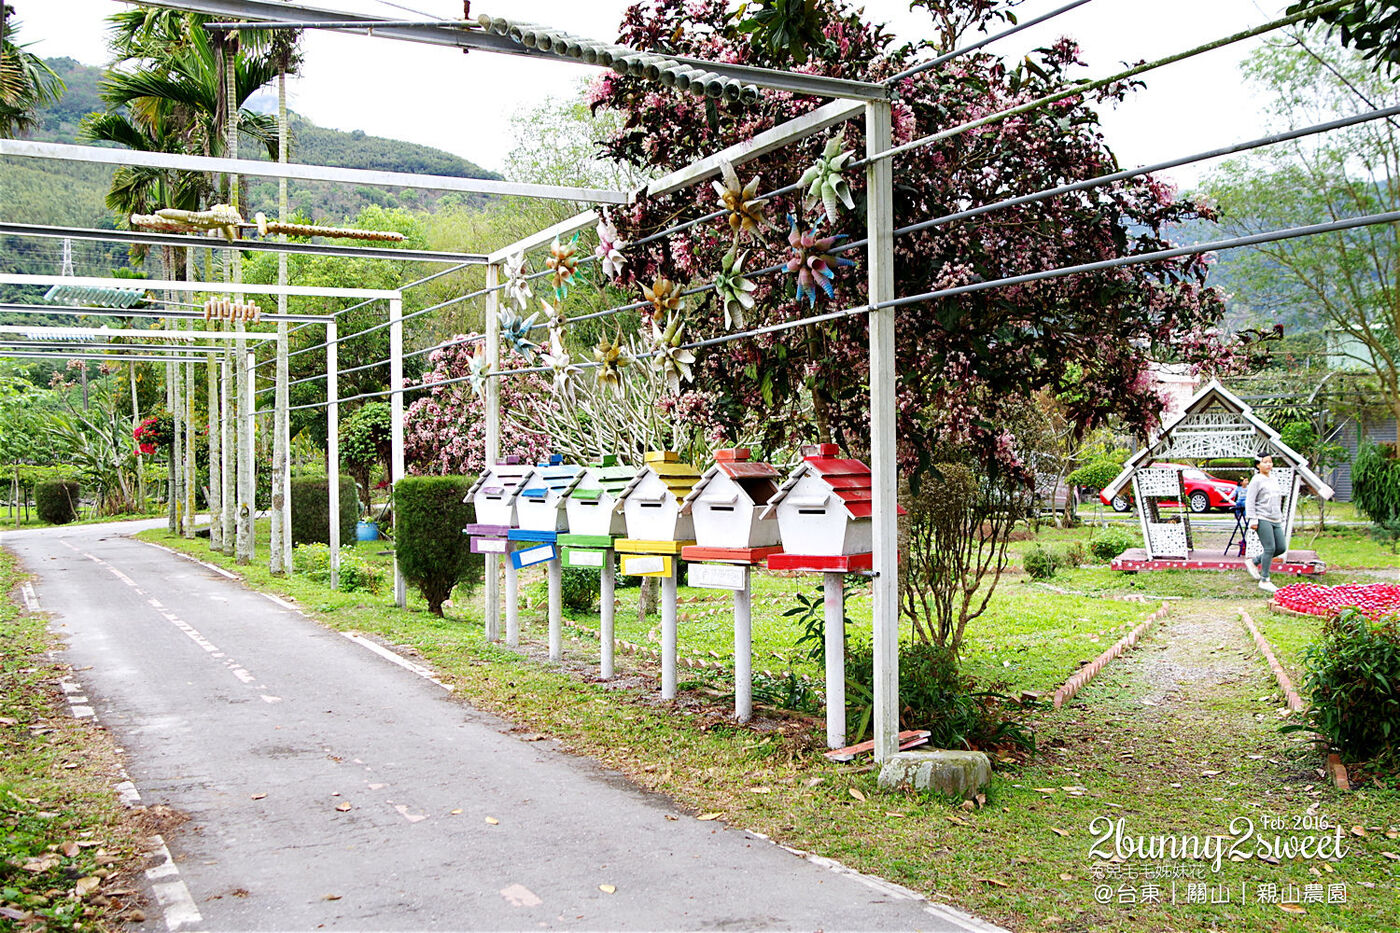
(733, 555)
(910, 738)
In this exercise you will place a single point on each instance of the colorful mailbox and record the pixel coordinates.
(651, 507)
(494, 497)
(823, 507)
(591, 507)
(726, 506)
(540, 511)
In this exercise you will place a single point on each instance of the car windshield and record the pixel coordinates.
(1194, 474)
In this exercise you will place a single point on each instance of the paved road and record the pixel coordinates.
(219, 695)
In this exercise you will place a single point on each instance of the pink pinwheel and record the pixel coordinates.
(812, 262)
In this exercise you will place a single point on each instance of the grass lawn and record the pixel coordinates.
(64, 837)
(1205, 752)
(33, 520)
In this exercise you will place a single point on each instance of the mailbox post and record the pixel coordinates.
(540, 507)
(594, 524)
(493, 496)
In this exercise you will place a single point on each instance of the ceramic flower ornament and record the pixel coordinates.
(478, 369)
(517, 284)
(612, 358)
(563, 259)
(609, 248)
(735, 291)
(745, 207)
(665, 297)
(515, 333)
(811, 261)
(668, 358)
(824, 182)
(561, 365)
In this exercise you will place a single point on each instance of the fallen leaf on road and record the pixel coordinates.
(1209, 773)
(1045, 790)
(11, 914)
(1000, 884)
(342, 807)
(1391, 855)
(257, 796)
(40, 864)
(86, 886)
(331, 897)
(893, 813)
(671, 817)
(457, 811)
(607, 888)
(1292, 908)
(709, 816)
(855, 792)
(1059, 832)
(493, 821)
(1358, 832)
(70, 849)
(813, 782)
(956, 819)
(1065, 876)
(7, 721)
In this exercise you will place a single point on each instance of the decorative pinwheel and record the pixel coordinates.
(609, 248)
(825, 184)
(733, 289)
(517, 284)
(554, 316)
(743, 204)
(478, 369)
(812, 262)
(561, 365)
(515, 333)
(665, 297)
(612, 358)
(563, 259)
(668, 358)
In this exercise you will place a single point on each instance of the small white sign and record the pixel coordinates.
(536, 555)
(586, 558)
(491, 546)
(719, 576)
(639, 565)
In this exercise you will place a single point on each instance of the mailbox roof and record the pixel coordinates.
(744, 473)
(849, 480)
(679, 479)
(509, 476)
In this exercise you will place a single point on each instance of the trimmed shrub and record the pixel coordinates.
(57, 502)
(1041, 563)
(1108, 543)
(1351, 681)
(1095, 475)
(433, 553)
(356, 574)
(310, 497)
(1375, 478)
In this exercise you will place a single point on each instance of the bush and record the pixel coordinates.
(1041, 563)
(1095, 475)
(57, 502)
(1108, 543)
(433, 553)
(1351, 681)
(356, 574)
(580, 589)
(1375, 478)
(310, 498)
(934, 695)
(1074, 554)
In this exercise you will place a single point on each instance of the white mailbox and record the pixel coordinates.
(651, 503)
(726, 504)
(591, 505)
(494, 492)
(540, 505)
(823, 507)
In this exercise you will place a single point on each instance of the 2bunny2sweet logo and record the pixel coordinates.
(1282, 838)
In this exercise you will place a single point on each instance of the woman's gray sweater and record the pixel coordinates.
(1262, 501)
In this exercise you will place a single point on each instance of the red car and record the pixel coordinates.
(1203, 491)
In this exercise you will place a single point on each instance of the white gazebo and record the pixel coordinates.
(1214, 424)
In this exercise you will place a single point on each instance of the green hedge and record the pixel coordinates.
(311, 510)
(433, 553)
(57, 503)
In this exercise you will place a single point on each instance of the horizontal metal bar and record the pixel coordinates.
(180, 285)
(814, 85)
(91, 347)
(95, 332)
(150, 238)
(22, 355)
(540, 237)
(68, 311)
(352, 24)
(303, 172)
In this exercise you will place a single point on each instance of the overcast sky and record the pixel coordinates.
(462, 103)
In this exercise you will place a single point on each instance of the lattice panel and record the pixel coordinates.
(1201, 445)
(1158, 482)
(1167, 539)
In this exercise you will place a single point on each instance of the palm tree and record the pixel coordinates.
(26, 83)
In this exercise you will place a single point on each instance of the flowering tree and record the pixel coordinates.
(445, 429)
(958, 358)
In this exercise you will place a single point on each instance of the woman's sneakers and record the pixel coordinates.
(1251, 568)
(1267, 587)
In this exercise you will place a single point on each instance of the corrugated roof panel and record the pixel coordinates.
(854, 495)
(859, 509)
(674, 469)
(850, 481)
(743, 469)
(833, 467)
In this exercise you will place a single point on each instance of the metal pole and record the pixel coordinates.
(834, 603)
(555, 573)
(668, 634)
(246, 490)
(229, 497)
(250, 466)
(280, 561)
(191, 462)
(493, 442)
(885, 587)
(743, 650)
(177, 445)
(216, 465)
(396, 465)
(333, 447)
(512, 601)
(607, 604)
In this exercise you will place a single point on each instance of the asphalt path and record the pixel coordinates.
(327, 786)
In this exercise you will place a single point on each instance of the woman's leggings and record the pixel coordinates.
(1271, 539)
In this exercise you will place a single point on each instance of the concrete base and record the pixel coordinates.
(956, 773)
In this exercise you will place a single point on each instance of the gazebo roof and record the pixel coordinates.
(1214, 417)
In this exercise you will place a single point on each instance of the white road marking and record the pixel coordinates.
(31, 599)
(402, 809)
(520, 896)
(169, 888)
(398, 659)
(277, 600)
(203, 563)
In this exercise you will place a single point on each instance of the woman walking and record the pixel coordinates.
(1263, 508)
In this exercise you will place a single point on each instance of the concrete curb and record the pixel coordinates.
(1295, 702)
(1089, 671)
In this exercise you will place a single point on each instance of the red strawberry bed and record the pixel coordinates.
(1374, 600)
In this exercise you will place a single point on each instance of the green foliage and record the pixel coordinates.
(365, 441)
(1108, 543)
(57, 502)
(434, 555)
(1372, 27)
(1074, 554)
(810, 613)
(1353, 685)
(1096, 474)
(313, 561)
(1041, 562)
(934, 695)
(1375, 479)
(310, 498)
(787, 690)
(785, 28)
(579, 588)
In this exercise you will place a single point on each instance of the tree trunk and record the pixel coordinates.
(279, 559)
